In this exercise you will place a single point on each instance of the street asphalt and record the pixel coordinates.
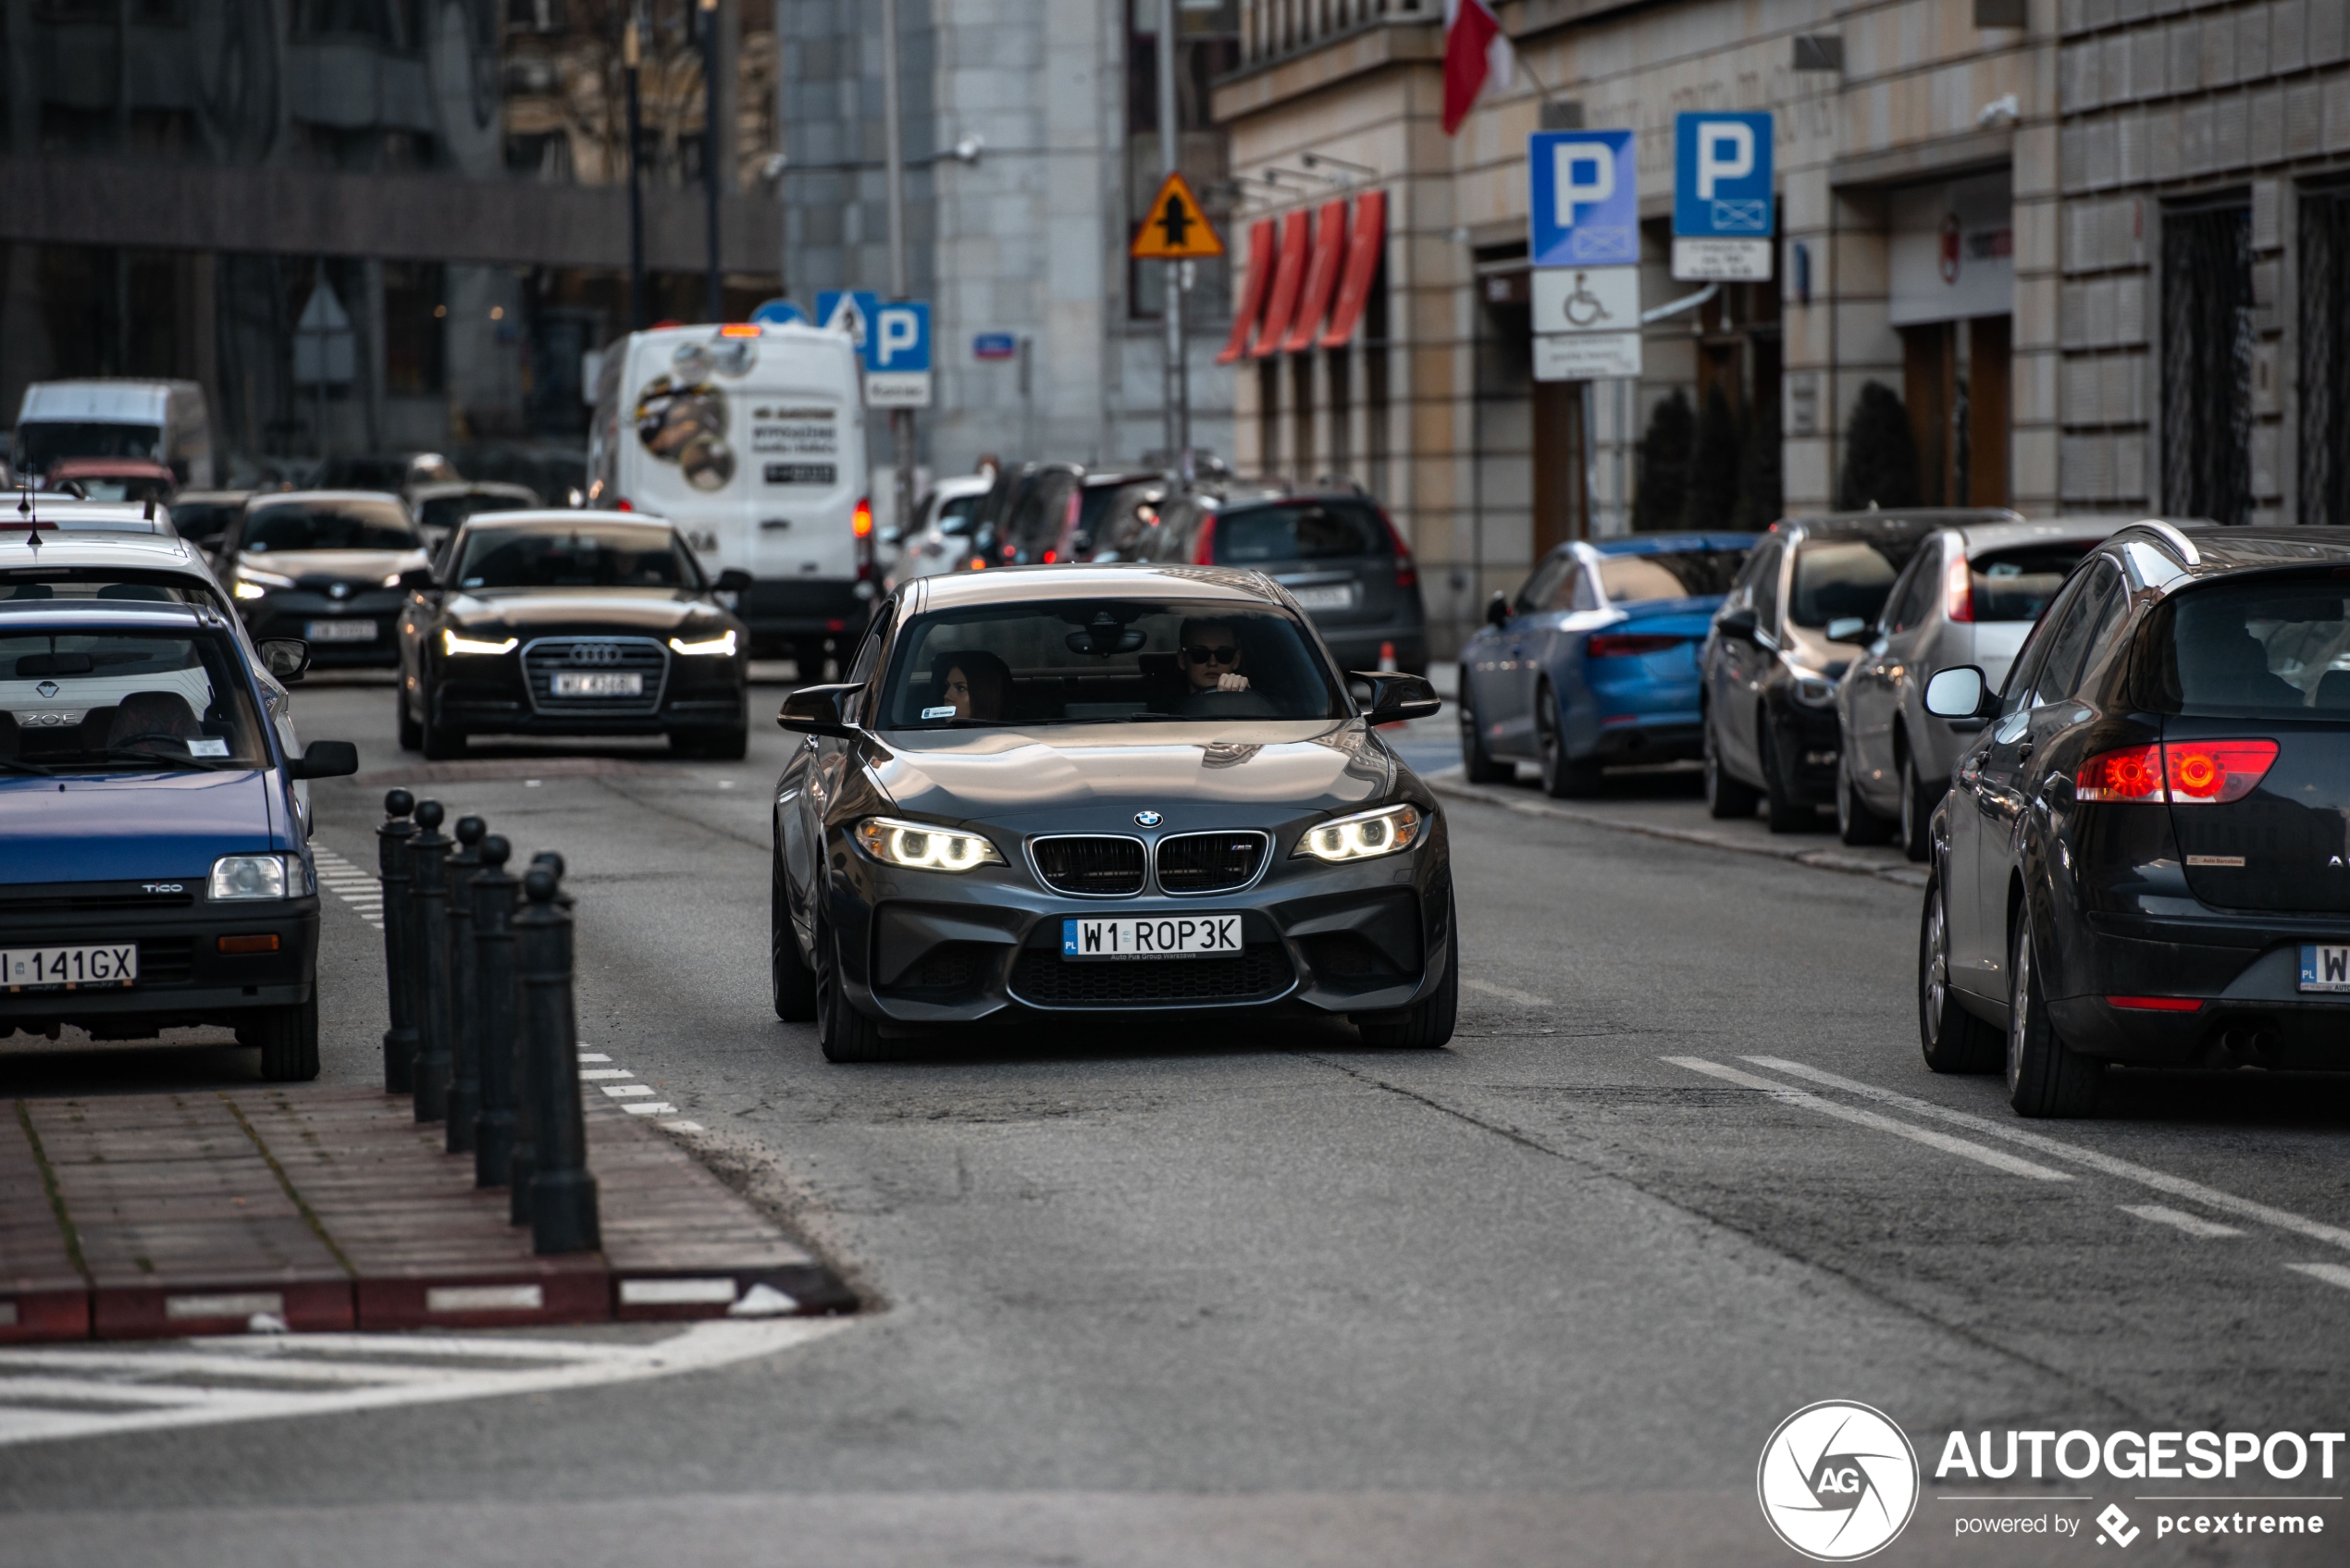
(1223, 1294)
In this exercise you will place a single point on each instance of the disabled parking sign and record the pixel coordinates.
(1724, 207)
(1585, 206)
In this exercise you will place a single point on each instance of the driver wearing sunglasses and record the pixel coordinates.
(1210, 656)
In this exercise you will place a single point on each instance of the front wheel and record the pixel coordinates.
(1477, 765)
(1954, 1040)
(1427, 1024)
(1918, 801)
(1781, 811)
(792, 981)
(1726, 799)
(412, 735)
(845, 1034)
(1855, 823)
(1564, 777)
(438, 742)
(2046, 1077)
(289, 1040)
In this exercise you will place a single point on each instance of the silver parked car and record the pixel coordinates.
(1968, 597)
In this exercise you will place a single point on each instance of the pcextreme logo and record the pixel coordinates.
(1838, 1481)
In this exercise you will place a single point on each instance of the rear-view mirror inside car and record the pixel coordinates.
(1956, 692)
(35, 665)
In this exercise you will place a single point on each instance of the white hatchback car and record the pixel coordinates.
(941, 539)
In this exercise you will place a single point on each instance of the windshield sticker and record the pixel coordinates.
(685, 423)
(201, 747)
(945, 712)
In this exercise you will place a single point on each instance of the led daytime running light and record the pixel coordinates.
(453, 644)
(924, 847)
(1364, 836)
(723, 645)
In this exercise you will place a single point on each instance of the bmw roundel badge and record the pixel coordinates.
(1147, 818)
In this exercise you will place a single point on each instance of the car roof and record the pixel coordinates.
(86, 612)
(1892, 524)
(277, 497)
(212, 497)
(438, 489)
(1013, 585)
(564, 516)
(70, 515)
(2082, 530)
(73, 551)
(1657, 544)
(2206, 550)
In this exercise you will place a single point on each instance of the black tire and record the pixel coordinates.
(412, 735)
(2046, 1077)
(1726, 799)
(289, 1040)
(1426, 1024)
(438, 742)
(1855, 823)
(845, 1034)
(1477, 765)
(792, 981)
(1915, 833)
(1953, 1039)
(1781, 811)
(710, 746)
(1564, 777)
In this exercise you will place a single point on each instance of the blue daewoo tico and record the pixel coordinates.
(1593, 662)
(154, 871)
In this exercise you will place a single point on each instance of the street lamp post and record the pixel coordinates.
(1175, 381)
(632, 49)
(711, 141)
(901, 420)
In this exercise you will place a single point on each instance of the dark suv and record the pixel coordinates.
(1334, 550)
(2143, 856)
(1783, 636)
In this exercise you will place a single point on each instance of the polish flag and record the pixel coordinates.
(1475, 48)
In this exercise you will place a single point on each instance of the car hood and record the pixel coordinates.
(1099, 775)
(123, 827)
(648, 610)
(367, 566)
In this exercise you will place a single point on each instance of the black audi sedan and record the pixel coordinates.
(2143, 856)
(1102, 791)
(322, 567)
(571, 623)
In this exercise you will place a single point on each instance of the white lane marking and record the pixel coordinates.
(2193, 1223)
(681, 1126)
(118, 1390)
(650, 1109)
(593, 1056)
(1809, 1102)
(624, 1090)
(2332, 1273)
(2145, 1175)
(353, 884)
(1507, 994)
(589, 1074)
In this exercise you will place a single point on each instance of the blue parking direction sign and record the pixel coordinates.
(1585, 205)
(1723, 204)
(898, 338)
(777, 313)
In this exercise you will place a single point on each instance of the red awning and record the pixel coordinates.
(1321, 278)
(1361, 265)
(1252, 289)
(1285, 285)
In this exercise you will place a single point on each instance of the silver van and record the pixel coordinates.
(165, 422)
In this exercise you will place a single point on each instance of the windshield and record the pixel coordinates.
(46, 590)
(615, 555)
(129, 488)
(1105, 661)
(1843, 580)
(1299, 530)
(342, 524)
(123, 698)
(2256, 650)
(203, 521)
(448, 512)
(42, 444)
(955, 514)
(1673, 573)
(2016, 585)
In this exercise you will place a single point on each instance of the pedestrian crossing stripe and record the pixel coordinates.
(1177, 230)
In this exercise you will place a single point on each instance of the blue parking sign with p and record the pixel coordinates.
(1585, 206)
(1722, 176)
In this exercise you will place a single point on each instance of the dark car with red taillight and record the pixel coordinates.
(2143, 857)
(1336, 551)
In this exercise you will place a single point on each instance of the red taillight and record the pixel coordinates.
(2196, 772)
(1620, 645)
(861, 525)
(623, 504)
(1958, 590)
(2157, 1003)
(1204, 547)
(1407, 571)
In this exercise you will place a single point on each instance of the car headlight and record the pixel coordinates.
(253, 583)
(1810, 688)
(1364, 835)
(391, 580)
(924, 847)
(256, 876)
(453, 644)
(722, 646)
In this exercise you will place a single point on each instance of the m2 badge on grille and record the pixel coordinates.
(1185, 936)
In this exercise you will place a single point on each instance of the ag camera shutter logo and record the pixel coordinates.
(1838, 1481)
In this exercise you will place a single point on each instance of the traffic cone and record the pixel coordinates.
(1387, 656)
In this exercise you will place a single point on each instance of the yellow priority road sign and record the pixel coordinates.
(1176, 229)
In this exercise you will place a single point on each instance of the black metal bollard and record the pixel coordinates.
(496, 1014)
(522, 1164)
(392, 863)
(429, 862)
(464, 1002)
(562, 1194)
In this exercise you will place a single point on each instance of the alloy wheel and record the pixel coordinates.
(2019, 1008)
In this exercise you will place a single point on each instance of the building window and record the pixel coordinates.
(415, 328)
(2207, 332)
(2325, 356)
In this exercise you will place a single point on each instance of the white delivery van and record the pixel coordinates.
(750, 437)
(164, 422)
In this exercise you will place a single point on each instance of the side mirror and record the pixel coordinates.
(324, 759)
(1848, 628)
(1396, 697)
(286, 658)
(816, 711)
(733, 580)
(1738, 624)
(1497, 609)
(1959, 693)
(417, 580)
